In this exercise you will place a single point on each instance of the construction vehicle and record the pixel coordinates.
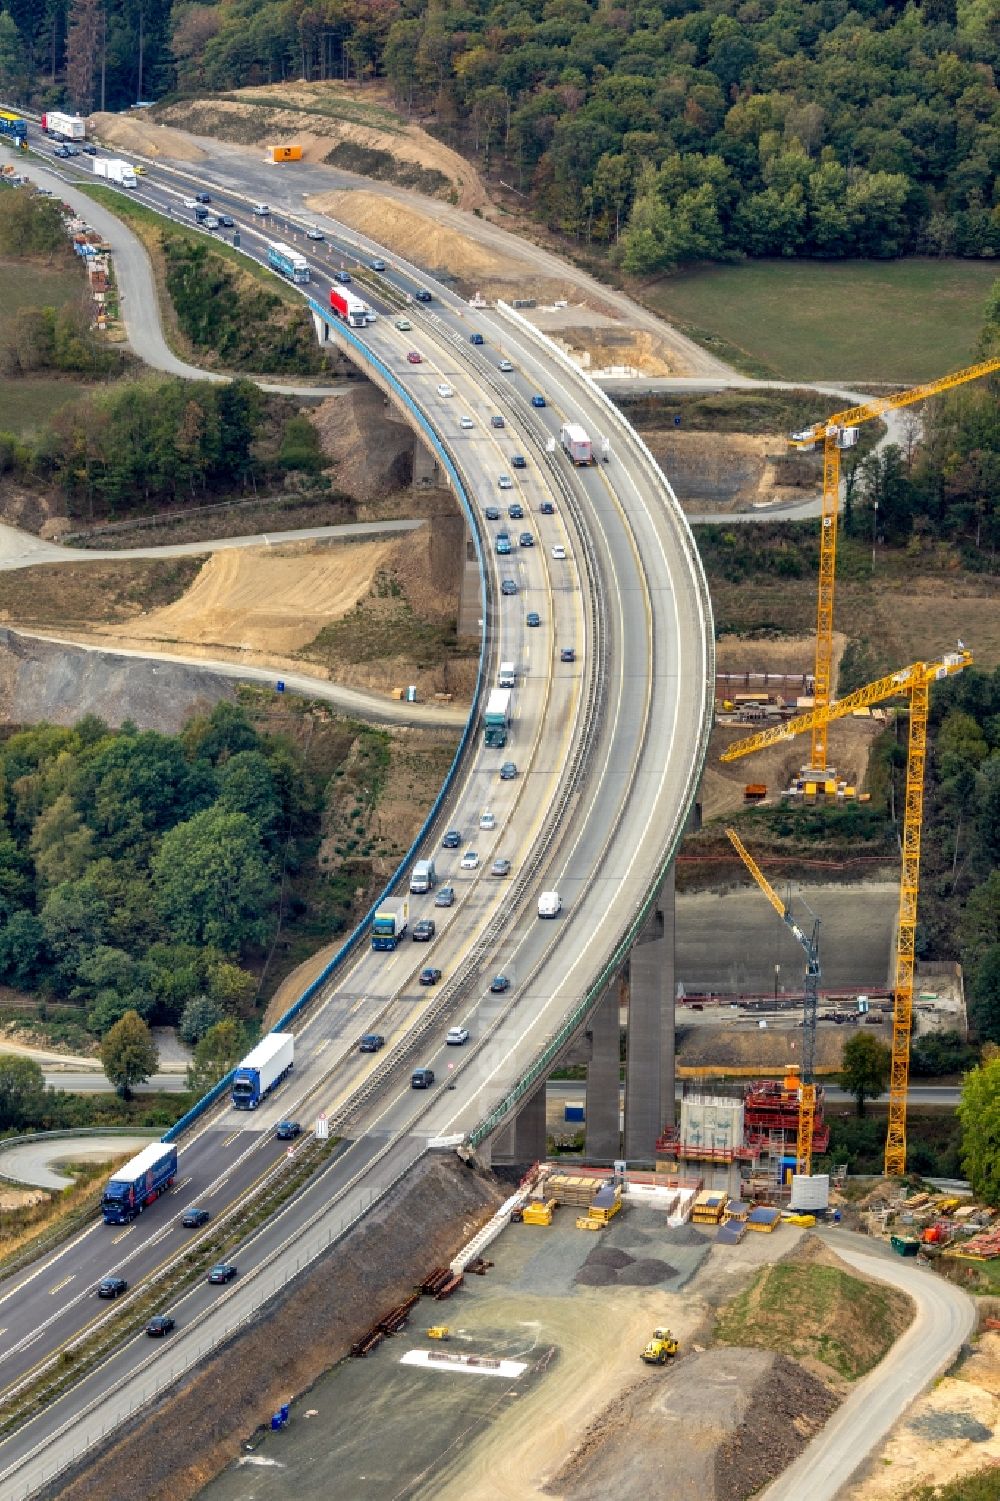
(915, 681)
(810, 1000)
(661, 1348)
(439, 1331)
(839, 432)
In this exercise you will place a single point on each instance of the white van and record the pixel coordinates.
(423, 877)
(507, 676)
(549, 904)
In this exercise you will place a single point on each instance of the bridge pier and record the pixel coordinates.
(426, 474)
(649, 1059)
(603, 1114)
(470, 601)
(522, 1140)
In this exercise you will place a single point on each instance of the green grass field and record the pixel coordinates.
(859, 321)
(28, 285)
(27, 405)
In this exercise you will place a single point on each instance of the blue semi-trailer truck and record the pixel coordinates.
(136, 1185)
(262, 1069)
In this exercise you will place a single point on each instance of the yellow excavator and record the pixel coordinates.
(661, 1348)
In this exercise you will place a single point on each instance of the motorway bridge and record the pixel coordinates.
(609, 749)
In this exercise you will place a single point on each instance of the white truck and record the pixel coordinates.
(115, 170)
(63, 127)
(507, 676)
(262, 1069)
(423, 877)
(576, 442)
(549, 904)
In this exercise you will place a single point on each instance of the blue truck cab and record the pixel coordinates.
(139, 1183)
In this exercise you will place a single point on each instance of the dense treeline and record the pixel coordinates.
(684, 130)
(141, 871)
(155, 441)
(949, 487)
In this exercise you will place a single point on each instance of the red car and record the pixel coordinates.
(415, 358)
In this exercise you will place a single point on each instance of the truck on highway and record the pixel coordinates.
(576, 443)
(115, 170)
(496, 719)
(138, 1183)
(349, 307)
(507, 676)
(63, 127)
(13, 126)
(288, 262)
(389, 923)
(423, 877)
(263, 1069)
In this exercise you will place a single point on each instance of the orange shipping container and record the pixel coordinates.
(286, 153)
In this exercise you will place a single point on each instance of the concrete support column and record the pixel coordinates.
(603, 1086)
(522, 1141)
(470, 602)
(649, 1065)
(425, 467)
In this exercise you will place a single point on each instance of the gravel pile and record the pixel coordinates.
(646, 1273)
(610, 1256)
(684, 1235)
(608, 1267)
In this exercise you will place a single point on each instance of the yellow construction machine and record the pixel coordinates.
(661, 1348)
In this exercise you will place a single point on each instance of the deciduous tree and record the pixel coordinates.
(866, 1067)
(979, 1111)
(128, 1053)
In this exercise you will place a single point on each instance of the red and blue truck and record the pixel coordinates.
(139, 1183)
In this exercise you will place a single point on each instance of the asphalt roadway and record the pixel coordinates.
(945, 1318)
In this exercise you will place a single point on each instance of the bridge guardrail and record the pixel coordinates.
(361, 929)
(558, 1040)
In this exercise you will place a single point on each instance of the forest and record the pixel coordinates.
(147, 872)
(675, 132)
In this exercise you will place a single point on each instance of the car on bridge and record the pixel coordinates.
(315, 233)
(202, 198)
(88, 149)
(456, 1036)
(194, 1218)
(371, 1042)
(497, 421)
(470, 860)
(492, 513)
(444, 896)
(500, 867)
(515, 511)
(508, 771)
(518, 461)
(422, 1078)
(261, 210)
(227, 221)
(505, 482)
(526, 540)
(159, 1325)
(111, 1287)
(503, 544)
(423, 295)
(538, 401)
(533, 618)
(508, 586)
(429, 976)
(445, 390)
(499, 984)
(344, 277)
(487, 821)
(466, 423)
(223, 1271)
(288, 1130)
(414, 358)
(505, 366)
(451, 840)
(475, 338)
(404, 325)
(567, 654)
(424, 930)
(547, 508)
(559, 553)
(378, 265)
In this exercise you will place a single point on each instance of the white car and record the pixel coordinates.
(261, 210)
(404, 325)
(505, 482)
(487, 821)
(190, 203)
(445, 390)
(315, 233)
(559, 553)
(456, 1036)
(466, 422)
(505, 366)
(470, 860)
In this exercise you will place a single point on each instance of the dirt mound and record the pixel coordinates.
(727, 1050)
(269, 600)
(608, 350)
(810, 1306)
(373, 454)
(144, 136)
(707, 1423)
(731, 471)
(355, 129)
(610, 1256)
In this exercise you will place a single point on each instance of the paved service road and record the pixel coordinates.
(95, 1081)
(944, 1320)
(33, 1162)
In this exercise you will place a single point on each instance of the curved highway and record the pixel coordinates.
(609, 748)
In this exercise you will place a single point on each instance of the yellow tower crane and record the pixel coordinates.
(914, 681)
(810, 946)
(836, 433)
